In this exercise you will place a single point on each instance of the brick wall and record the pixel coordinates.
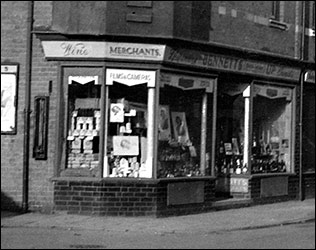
(228, 17)
(169, 210)
(309, 185)
(255, 184)
(106, 197)
(122, 197)
(13, 34)
(13, 50)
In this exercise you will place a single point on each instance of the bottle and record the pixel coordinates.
(232, 166)
(238, 169)
(244, 169)
(224, 167)
(221, 149)
(254, 145)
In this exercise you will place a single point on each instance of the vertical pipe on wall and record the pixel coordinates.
(301, 105)
(300, 183)
(27, 110)
(203, 134)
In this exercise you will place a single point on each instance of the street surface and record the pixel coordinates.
(293, 236)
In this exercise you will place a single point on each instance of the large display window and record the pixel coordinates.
(254, 129)
(184, 126)
(82, 149)
(230, 135)
(272, 129)
(129, 130)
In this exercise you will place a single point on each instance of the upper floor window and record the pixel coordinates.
(278, 10)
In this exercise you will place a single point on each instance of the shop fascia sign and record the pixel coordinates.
(102, 50)
(226, 63)
(130, 77)
(187, 82)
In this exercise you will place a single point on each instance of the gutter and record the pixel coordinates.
(27, 110)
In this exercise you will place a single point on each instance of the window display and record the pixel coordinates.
(271, 140)
(127, 136)
(272, 129)
(83, 123)
(179, 146)
(230, 130)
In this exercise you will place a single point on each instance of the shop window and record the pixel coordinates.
(268, 149)
(84, 95)
(271, 147)
(230, 135)
(129, 123)
(277, 17)
(184, 147)
(278, 10)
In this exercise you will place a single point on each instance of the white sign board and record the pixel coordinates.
(8, 98)
(130, 77)
(85, 49)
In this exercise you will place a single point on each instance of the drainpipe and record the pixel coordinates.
(27, 111)
(301, 105)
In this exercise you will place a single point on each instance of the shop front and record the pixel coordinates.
(257, 130)
(134, 138)
(255, 135)
(149, 129)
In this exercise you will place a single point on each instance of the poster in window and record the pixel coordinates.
(180, 127)
(125, 145)
(164, 123)
(117, 112)
(8, 97)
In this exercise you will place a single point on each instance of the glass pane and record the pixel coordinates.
(230, 129)
(179, 132)
(272, 126)
(127, 129)
(83, 123)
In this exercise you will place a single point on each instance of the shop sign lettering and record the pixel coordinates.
(122, 76)
(239, 185)
(87, 49)
(74, 49)
(186, 82)
(208, 60)
(130, 51)
(130, 77)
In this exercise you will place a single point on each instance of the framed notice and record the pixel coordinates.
(180, 127)
(9, 82)
(117, 112)
(164, 123)
(41, 109)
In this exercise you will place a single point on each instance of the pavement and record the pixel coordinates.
(259, 216)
